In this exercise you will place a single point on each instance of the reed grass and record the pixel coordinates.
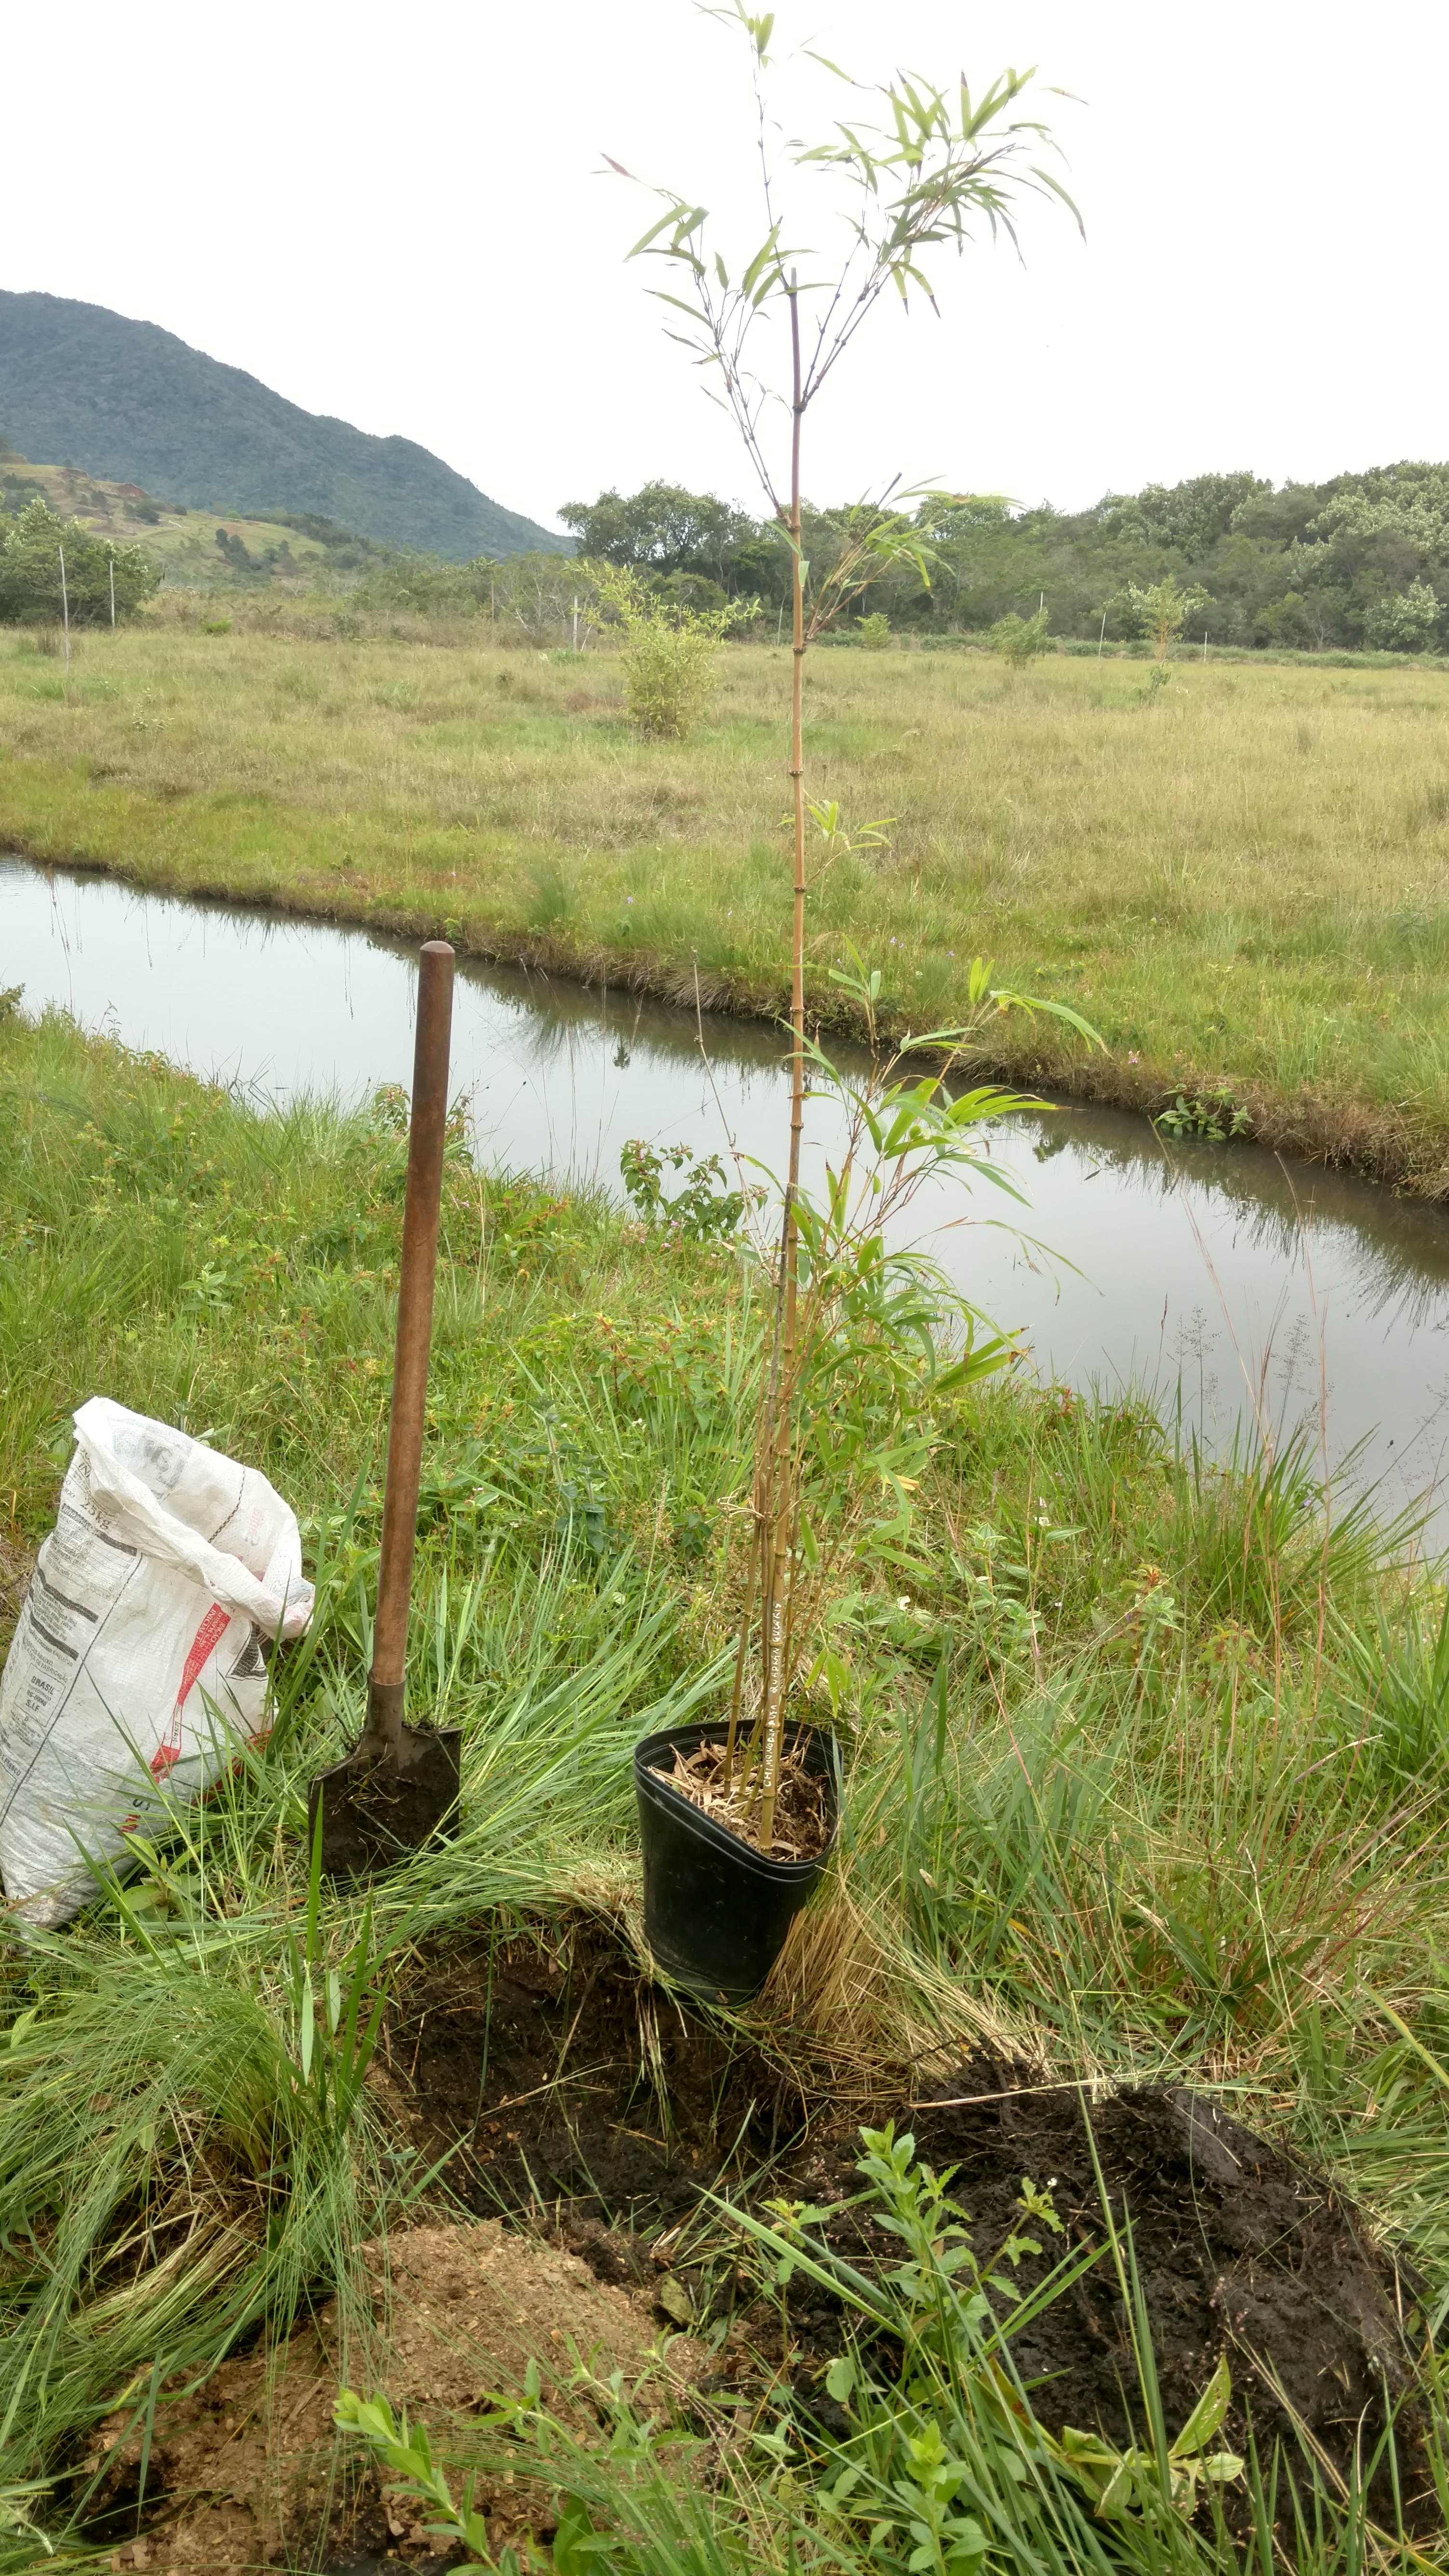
(1148, 1767)
(1244, 880)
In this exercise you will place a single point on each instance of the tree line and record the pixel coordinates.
(1358, 562)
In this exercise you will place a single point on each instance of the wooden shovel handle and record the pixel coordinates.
(426, 1133)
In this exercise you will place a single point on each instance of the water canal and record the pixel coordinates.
(1221, 1280)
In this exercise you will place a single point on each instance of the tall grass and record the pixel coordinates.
(1242, 881)
(1148, 1758)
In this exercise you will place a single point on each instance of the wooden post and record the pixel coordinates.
(427, 1136)
(65, 614)
(113, 589)
(1102, 637)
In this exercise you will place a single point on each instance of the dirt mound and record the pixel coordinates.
(1240, 2250)
(247, 2472)
(571, 2089)
(568, 2093)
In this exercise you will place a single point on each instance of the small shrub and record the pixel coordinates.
(1020, 638)
(668, 651)
(874, 631)
(703, 1211)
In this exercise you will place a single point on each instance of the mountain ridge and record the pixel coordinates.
(129, 401)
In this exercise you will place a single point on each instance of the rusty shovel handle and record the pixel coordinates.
(427, 1129)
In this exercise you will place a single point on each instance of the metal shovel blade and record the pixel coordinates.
(377, 1806)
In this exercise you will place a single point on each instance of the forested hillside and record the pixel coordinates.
(83, 386)
(1361, 561)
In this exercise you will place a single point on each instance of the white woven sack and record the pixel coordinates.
(137, 1657)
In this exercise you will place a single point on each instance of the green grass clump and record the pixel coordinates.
(1149, 1768)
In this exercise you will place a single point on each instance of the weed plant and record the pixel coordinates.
(1239, 883)
(1148, 1767)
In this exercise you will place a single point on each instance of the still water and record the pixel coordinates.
(1216, 1278)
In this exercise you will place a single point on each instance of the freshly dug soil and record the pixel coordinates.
(570, 2090)
(248, 2472)
(1239, 2249)
(577, 2103)
(801, 1821)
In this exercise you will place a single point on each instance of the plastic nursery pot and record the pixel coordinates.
(716, 1912)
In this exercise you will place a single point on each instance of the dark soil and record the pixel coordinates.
(566, 2088)
(563, 2086)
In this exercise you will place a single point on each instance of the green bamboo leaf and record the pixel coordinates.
(652, 235)
(767, 251)
(1046, 180)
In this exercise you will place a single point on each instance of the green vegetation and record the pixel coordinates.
(939, 2466)
(1148, 1760)
(53, 569)
(1242, 883)
(1361, 561)
(132, 402)
(668, 651)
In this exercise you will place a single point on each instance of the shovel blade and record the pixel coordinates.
(377, 1808)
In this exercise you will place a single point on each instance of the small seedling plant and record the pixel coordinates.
(908, 173)
(1213, 1116)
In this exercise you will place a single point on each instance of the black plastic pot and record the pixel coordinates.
(716, 1912)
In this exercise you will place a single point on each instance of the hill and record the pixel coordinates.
(128, 401)
(189, 546)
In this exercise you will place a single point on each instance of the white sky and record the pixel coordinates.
(392, 215)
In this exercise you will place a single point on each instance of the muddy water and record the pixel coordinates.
(1224, 1282)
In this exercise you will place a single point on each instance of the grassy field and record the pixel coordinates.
(1149, 1774)
(1241, 879)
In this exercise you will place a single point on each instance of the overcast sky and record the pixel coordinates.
(394, 215)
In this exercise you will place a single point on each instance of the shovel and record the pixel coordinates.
(398, 1787)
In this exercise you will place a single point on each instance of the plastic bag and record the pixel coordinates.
(137, 1659)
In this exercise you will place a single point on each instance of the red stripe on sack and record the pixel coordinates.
(203, 1645)
(199, 1653)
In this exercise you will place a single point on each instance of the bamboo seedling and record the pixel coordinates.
(917, 169)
